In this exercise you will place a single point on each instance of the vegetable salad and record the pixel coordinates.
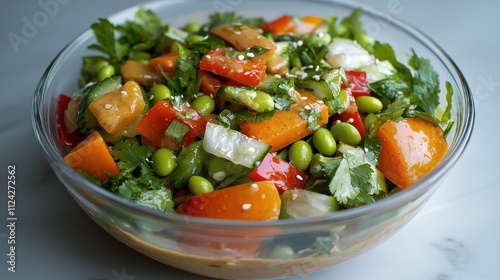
(252, 118)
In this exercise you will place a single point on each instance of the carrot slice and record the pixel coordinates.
(410, 149)
(285, 127)
(259, 201)
(309, 23)
(93, 157)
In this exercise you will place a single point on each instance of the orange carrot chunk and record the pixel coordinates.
(410, 149)
(92, 156)
(286, 127)
(259, 201)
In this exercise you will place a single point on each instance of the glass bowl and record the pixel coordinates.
(220, 249)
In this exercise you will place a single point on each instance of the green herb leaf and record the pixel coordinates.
(130, 155)
(104, 32)
(425, 84)
(312, 115)
(176, 130)
(254, 51)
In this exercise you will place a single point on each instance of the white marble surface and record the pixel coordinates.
(454, 237)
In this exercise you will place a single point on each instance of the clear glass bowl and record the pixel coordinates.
(217, 248)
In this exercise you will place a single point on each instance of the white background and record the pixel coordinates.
(454, 237)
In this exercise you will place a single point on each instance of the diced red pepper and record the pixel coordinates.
(67, 140)
(210, 83)
(284, 175)
(246, 72)
(280, 25)
(357, 82)
(156, 121)
(352, 116)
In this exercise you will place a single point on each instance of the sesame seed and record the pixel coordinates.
(123, 93)
(294, 196)
(148, 76)
(254, 186)
(250, 55)
(303, 98)
(277, 76)
(319, 101)
(208, 56)
(219, 176)
(300, 43)
(307, 107)
(246, 206)
(108, 106)
(299, 177)
(317, 68)
(350, 120)
(241, 57)
(316, 77)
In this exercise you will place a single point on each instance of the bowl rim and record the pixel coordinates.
(52, 153)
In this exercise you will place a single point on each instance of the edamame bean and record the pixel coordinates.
(370, 121)
(324, 142)
(318, 39)
(193, 27)
(163, 162)
(193, 39)
(346, 133)
(300, 154)
(282, 252)
(160, 92)
(105, 72)
(204, 104)
(199, 185)
(368, 104)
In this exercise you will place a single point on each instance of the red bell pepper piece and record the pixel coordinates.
(246, 72)
(352, 116)
(357, 81)
(210, 83)
(284, 175)
(280, 25)
(156, 121)
(67, 140)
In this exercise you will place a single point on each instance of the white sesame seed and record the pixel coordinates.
(254, 186)
(123, 92)
(250, 55)
(294, 196)
(299, 177)
(307, 107)
(303, 98)
(316, 77)
(246, 206)
(241, 57)
(277, 76)
(319, 101)
(108, 106)
(208, 56)
(219, 176)
(300, 43)
(317, 68)
(350, 120)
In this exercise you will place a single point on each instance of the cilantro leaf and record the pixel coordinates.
(425, 84)
(104, 32)
(130, 155)
(371, 146)
(355, 180)
(176, 130)
(312, 115)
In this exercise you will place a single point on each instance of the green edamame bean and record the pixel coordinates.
(204, 104)
(368, 104)
(346, 133)
(324, 142)
(105, 72)
(300, 154)
(193, 39)
(163, 162)
(93, 64)
(370, 121)
(318, 39)
(282, 252)
(193, 27)
(199, 185)
(160, 92)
